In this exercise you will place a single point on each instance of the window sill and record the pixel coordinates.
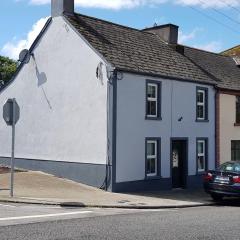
(237, 124)
(201, 173)
(152, 178)
(153, 118)
(203, 121)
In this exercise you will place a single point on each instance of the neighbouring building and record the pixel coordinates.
(226, 72)
(111, 106)
(235, 51)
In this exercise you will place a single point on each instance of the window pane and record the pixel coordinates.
(237, 155)
(237, 109)
(148, 166)
(200, 97)
(235, 150)
(201, 163)
(200, 147)
(151, 149)
(152, 91)
(200, 112)
(233, 158)
(237, 144)
(152, 108)
(153, 167)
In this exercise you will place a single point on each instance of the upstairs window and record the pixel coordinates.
(238, 110)
(153, 100)
(202, 104)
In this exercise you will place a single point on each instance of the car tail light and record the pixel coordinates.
(236, 179)
(208, 177)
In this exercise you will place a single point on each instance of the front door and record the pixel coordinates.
(179, 163)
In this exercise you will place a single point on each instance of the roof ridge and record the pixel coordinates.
(202, 50)
(230, 48)
(102, 20)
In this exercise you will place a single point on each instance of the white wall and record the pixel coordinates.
(64, 118)
(178, 100)
(228, 131)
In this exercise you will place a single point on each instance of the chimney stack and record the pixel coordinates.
(62, 6)
(167, 32)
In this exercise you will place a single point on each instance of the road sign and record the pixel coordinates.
(10, 109)
(11, 114)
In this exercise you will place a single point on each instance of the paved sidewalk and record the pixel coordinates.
(41, 188)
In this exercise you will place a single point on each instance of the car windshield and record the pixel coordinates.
(230, 167)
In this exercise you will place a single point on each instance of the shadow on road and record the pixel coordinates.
(229, 202)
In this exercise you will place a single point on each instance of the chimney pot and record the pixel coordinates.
(62, 6)
(168, 32)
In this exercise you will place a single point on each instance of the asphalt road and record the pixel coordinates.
(215, 222)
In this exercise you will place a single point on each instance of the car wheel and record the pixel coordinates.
(217, 197)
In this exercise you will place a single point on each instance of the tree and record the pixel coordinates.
(7, 68)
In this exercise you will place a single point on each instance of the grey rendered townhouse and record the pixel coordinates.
(112, 106)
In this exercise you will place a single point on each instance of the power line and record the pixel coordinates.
(215, 20)
(230, 5)
(221, 13)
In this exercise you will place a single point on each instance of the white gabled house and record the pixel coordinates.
(111, 106)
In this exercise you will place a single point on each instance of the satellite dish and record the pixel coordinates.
(24, 56)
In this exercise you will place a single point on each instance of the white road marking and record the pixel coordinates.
(44, 216)
(4, 205)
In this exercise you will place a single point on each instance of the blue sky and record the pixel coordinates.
(21, 20)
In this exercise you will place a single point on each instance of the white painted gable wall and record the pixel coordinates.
(73, 125)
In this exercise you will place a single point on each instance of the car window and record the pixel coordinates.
(230, 167)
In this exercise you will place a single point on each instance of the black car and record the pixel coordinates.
(225, 181)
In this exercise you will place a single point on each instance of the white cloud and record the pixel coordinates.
(108, 4)
(185, 37)
(213, 46)
(209, 3)
(14, 47)
(119, 4)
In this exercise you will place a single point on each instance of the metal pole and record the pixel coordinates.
(13, 145)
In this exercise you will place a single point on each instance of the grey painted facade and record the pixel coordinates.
(178, 101)
(90, 174)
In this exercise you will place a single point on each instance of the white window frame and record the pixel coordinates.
(201, 104)
(203, 154)
(155, 142)
(151, 99)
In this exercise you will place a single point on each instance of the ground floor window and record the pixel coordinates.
(201, 155)
(152, 154)
(235, 150)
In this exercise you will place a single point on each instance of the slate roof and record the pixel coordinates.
(222, 68)
(134, 50)
(232, 51)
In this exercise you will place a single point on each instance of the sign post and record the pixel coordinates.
(11, 113)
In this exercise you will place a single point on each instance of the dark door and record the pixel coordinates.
(179, 163)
